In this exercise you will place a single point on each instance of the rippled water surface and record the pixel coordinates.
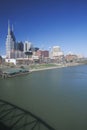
(58, 96)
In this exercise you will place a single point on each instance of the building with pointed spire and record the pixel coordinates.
(10, 43)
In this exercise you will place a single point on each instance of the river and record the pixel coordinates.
(58, 96)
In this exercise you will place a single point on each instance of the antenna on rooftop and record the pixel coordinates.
(8, 23)
(8, 27)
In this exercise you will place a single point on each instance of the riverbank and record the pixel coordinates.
(55, 67)
(13, 72)
(33, 68)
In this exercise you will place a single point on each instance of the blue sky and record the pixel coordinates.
(46, 23)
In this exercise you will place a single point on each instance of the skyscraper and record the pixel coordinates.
(56, 51)
(20, 46)
(10, 43)
(27, 46)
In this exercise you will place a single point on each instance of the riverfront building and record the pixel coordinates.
(20, 46)
(56, 51)
(10, 43)
(56, 54)
(13, 49)
(42, 53)
(27, 46)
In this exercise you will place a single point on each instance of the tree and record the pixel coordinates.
(36, 49)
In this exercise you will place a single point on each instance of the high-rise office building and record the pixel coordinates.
(56, 51)
(20, 46)
(27, 46)
(10, 43)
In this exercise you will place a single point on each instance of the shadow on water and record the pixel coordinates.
(57, 96)
(13, 117)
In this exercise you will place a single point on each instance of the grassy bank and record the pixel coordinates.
(38, 67)
(50, 66)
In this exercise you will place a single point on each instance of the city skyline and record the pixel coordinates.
(46, 23)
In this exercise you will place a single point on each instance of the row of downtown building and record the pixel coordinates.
(15, 51)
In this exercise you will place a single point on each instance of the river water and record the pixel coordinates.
(58, 96)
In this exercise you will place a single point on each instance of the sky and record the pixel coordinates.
(46, 23)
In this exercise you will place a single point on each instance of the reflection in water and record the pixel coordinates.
(58, 96)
